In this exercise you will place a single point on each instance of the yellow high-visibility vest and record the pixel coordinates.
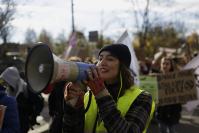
(123, 105)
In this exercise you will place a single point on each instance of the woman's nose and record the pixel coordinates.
(102, 62)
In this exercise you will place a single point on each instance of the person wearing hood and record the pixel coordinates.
(113, 103)
(11, 118)
(12, 77)
(29, 105)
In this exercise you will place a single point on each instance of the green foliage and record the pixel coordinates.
(193, 41)
(30, 36)
(103, 41)
(46, 38)
(60, 44)
(59, 48)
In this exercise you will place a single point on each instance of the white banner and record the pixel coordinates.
(124, 39)
(194, 64)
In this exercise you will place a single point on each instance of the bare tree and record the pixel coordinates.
(143, 20)
(142, 27)
(30, 36)
(45, 37)
(7, 11)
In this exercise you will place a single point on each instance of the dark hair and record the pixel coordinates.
(127, 78)
(171, 63)
(75, 59)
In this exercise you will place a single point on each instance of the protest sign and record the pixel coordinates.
(2, 113)
(176, 87)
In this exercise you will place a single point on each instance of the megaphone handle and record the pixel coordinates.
(48, 89)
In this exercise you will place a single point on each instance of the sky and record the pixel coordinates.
(111, 17)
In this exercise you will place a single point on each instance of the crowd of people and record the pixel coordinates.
(166, 116)
(22, 105)
(107, 101)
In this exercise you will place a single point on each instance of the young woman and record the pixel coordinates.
(169, 115)
(116, 105)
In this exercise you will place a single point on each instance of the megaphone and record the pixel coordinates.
(42, 68)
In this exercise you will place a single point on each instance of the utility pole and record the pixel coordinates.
(72, 13)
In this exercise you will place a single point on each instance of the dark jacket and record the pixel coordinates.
(55, 104)
(169, 114)
(133, 122)
(11, 118)
(30, 106)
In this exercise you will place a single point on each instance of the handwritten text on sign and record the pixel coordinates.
(176, 87)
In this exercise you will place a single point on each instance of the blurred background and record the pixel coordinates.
(154, 26)
(81, 27)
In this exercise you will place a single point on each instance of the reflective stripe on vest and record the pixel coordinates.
(123, 105)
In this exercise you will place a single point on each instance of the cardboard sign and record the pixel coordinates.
(176, 87)
(149, 83)
(2, 113)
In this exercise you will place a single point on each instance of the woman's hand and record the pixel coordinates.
(95, 82)
(74, 94)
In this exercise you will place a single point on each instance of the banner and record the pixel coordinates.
(124, 39)
(72, 44)
(193, 64)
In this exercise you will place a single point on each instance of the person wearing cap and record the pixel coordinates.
(11, 117)
(113, 103)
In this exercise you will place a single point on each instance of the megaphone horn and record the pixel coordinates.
(43, 68)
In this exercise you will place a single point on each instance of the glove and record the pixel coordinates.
(96, 83)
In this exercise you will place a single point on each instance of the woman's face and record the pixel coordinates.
(165, 65)
(108, 66)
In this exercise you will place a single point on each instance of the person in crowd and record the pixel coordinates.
(112, 103)
(55, 103)
(168, 116)
(75, 59)
(29, 104)
(145, 66)
(88, 60)
(10, 122)
(155, 66)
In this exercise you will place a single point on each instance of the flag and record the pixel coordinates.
(73, 40)
(193, 64)
(72, 43)
(124, 39)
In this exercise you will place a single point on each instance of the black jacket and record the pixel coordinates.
(169, 114)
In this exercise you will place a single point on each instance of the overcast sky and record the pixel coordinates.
(111, 16)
